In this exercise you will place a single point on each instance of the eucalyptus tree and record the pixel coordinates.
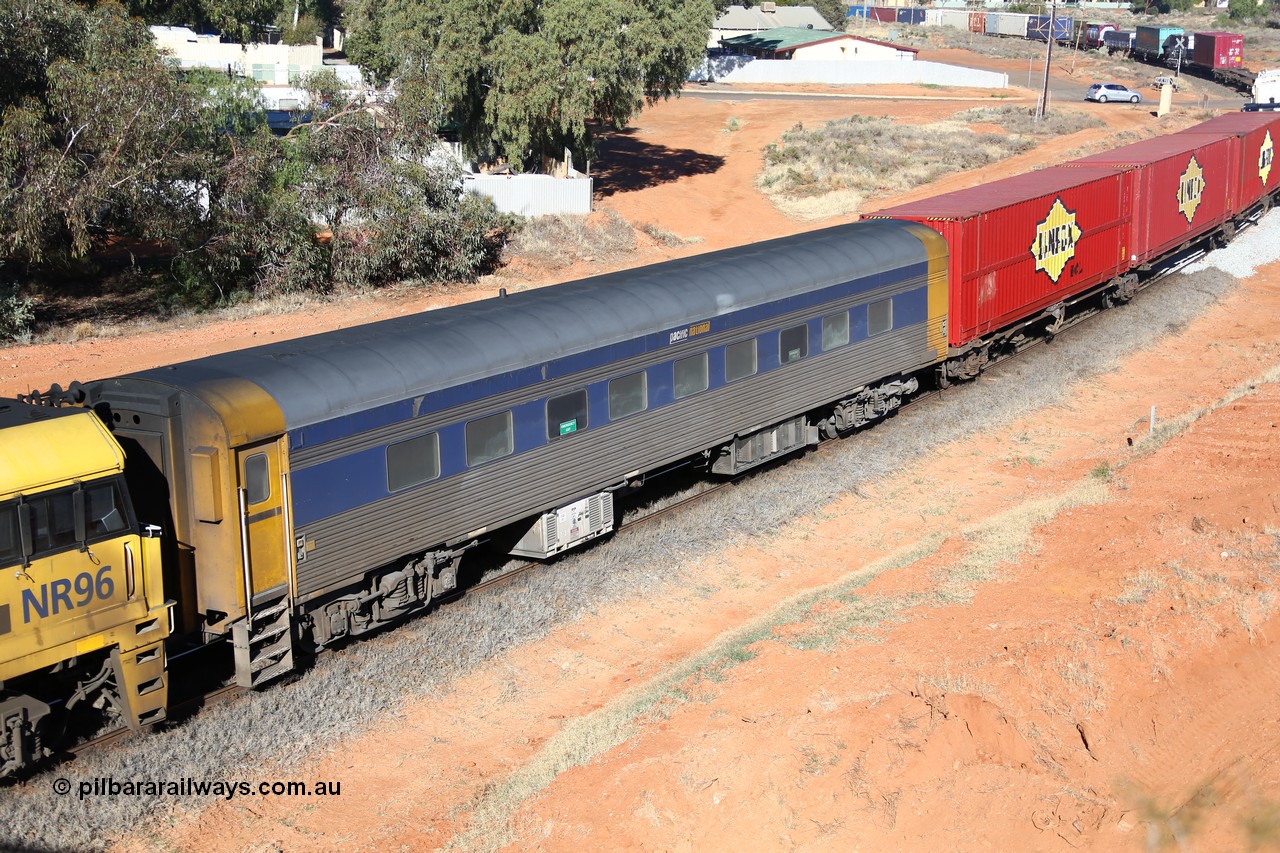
(526, 80)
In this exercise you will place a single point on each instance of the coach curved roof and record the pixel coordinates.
(335, 373)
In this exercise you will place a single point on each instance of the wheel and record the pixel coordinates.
(1134, 99)
(1102, 99)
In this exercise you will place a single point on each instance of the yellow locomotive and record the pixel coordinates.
(83, 615)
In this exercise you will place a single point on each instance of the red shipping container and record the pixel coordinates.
(883, 15)
(1257, 135)
(1026, 243)
(1184, 187)
(977, 22)
(1218, 50)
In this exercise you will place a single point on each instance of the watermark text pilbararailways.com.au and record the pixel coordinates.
(227, 789)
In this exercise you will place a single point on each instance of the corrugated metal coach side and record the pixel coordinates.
(324, 486)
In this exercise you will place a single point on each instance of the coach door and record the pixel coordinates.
(263, 516)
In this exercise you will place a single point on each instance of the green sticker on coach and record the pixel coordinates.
(569, 426)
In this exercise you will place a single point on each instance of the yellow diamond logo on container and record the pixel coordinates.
(1265, 156)
(1056, 238)
(1190, 189)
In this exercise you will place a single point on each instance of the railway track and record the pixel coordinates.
(497, 578)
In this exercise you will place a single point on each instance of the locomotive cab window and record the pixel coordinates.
(879, 317)
(257, 478)
(739, 360)
(835, 330)
(793, 344)
(413, 461)
(691, 376)
(566, 414)
(104, 510)
(489, 438)
(627, 395)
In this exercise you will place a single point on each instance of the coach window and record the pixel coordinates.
(10, 541)
(257, 478)
(489, 438)
(413, 461)
(566, 414)
(793, 344)
(627, 395)
(835, 330)
(739, 360)
(691, 375)
(879, 317)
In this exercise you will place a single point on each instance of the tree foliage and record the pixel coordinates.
(94, 132)
(101, 139)
(527, 79)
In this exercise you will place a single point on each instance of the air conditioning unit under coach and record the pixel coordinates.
(561, 529)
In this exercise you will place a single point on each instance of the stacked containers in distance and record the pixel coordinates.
(883, 15)
(1007, 24)
(1218, 50)
(1026, 243)
(957, 18)
(977, 22)
(1256, 137)
(1184, 187)
(1151, 41)
(911, 16)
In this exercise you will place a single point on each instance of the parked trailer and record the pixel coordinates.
(1007, 24)
(1189, 183)
(1045, 27)
(1257, 134)
(1152, 42)
(1026, 243)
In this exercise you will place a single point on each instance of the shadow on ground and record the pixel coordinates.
(626, 163)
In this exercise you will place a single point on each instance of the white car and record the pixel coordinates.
(1103, 92)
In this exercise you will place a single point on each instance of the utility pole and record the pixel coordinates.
(1043, 106)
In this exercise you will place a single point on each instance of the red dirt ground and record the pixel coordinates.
(1108, 686)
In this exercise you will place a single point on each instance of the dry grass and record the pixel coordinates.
(833, 169)
(556, 242)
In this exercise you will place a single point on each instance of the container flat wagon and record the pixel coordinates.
(1257, 133)
(1026, 244)
(1187, 182)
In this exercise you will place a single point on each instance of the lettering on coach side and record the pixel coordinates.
(1056, 238)
(1190, 189)
(689, 331)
